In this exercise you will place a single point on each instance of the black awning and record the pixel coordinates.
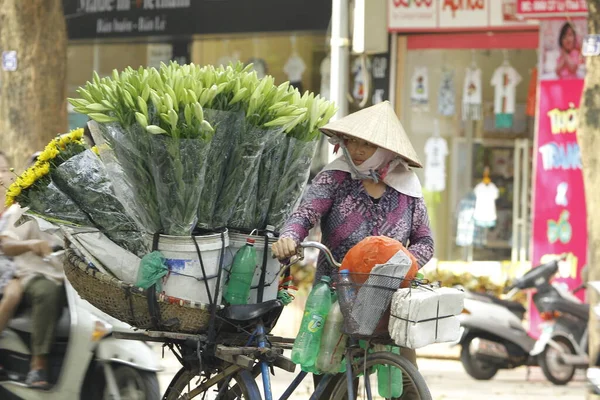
(96, 19)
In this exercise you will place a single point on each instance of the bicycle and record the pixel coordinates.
(226, 366)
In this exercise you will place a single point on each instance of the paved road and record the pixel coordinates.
(448, 381)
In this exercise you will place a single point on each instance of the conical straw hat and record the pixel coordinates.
(379, 125)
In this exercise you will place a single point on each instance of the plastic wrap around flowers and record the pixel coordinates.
(206, 147)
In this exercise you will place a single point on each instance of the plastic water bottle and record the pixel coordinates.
(333, 342)
(389, 379)
(242, 274)
(307, 344)
(347, 297)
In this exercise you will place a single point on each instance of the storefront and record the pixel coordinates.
(286, 39)
(466, 80)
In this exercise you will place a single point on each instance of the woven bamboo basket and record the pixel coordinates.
(129, 304)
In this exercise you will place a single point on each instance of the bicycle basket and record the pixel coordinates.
(366, 306)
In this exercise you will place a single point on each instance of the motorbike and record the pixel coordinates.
(86, 361)
(493, 336)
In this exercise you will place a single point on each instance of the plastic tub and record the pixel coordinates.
(186, 279)
(236, 241)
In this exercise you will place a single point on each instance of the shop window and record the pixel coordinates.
(480, 103)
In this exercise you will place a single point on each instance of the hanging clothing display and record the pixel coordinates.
(531, 93)
(419, 94)
(485, 205)
(360, 78)
(505, 81)
(294, 68)
(472, 100)
(259, 65)
(436, 150)
(467, 233)
(447, 95)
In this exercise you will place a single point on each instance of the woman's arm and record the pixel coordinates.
(421, 240)
(316, 203)
(14, 248)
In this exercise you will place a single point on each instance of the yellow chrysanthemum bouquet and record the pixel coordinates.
(70, 184)
(35, 189)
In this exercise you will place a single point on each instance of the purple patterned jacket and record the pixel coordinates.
(348, 214)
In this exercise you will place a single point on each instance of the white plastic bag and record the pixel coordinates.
(424, 315)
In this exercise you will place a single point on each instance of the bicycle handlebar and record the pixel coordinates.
(324, 249)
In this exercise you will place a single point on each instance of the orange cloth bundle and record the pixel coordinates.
(373, 250)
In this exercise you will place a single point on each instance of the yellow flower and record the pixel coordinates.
(13, 191)
(63, 141)
(77, 134)
(9, 201)
(95, 150)
(44, 169)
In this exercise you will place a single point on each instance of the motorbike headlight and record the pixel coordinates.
(101, 329)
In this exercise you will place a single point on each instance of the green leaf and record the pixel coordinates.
(198, 112)
(155, 130)
(206, 127)
(102, 118)
(97, 107)
(141, 119)
(78, 102)
(189, 114)
(173, 118)
(142, 106)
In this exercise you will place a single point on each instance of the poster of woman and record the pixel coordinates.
(561, 42)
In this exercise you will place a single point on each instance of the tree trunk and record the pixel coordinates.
(33, 98)
(589, 142)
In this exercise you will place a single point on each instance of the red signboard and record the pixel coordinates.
(551, 8)
(559, 212)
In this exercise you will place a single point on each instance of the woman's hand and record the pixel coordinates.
(284, 248)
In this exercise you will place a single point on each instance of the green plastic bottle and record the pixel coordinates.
(307, 344)
(333, 342)
(241, 274)
(389, 379)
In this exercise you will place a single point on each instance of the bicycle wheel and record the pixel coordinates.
(414, 385)
(240, 386)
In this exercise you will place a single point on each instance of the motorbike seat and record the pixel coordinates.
(23, 323)
(249, 312)
(513, 306)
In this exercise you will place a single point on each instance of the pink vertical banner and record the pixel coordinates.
(559, 212)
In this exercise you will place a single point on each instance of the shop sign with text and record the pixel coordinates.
(551, 8)
(559, 211)
(434, 15)
(91, 19)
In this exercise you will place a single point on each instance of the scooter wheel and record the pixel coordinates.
(475, 368)
(553, 368)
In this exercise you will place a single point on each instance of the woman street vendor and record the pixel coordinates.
(370, 190)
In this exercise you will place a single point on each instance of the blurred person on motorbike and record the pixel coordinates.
(37, 284)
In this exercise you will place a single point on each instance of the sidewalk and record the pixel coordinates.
(440, 351)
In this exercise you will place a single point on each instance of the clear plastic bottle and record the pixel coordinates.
(346, 293)
(333, 342)
(307, 344)
(389, 379)
(241, 275)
